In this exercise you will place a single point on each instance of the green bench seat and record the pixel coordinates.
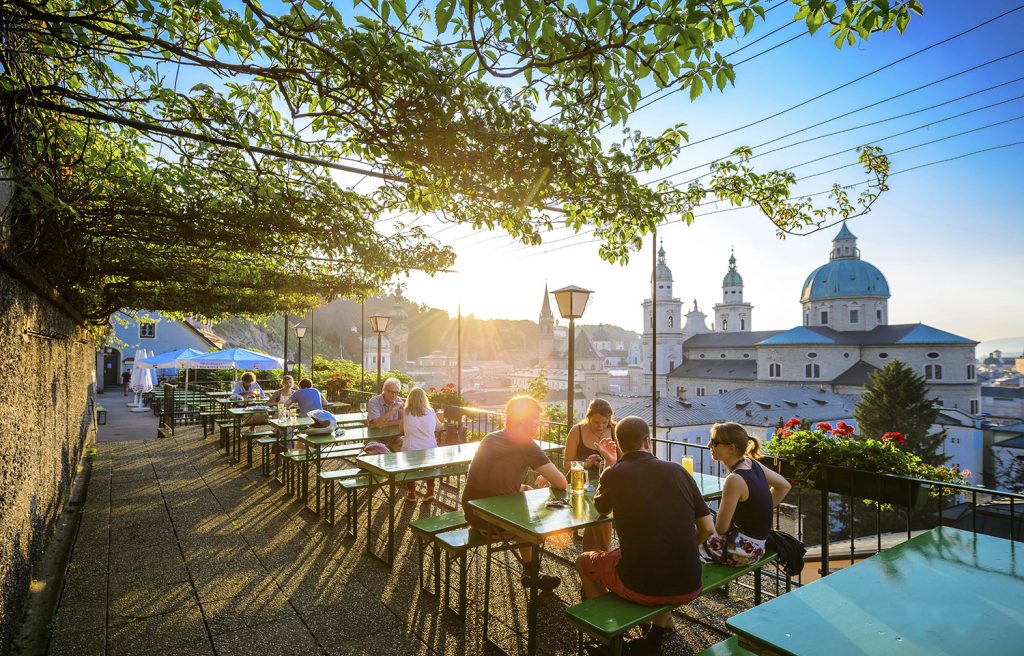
(425, 529)
(456, 545)
(101, 415)
(607, 618)
(293, 458)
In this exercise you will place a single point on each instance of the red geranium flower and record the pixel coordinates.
(894, 436)
(823, 426)
(966, 473)
(792, 423)
(843, 428)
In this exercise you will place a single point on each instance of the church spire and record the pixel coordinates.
(545, 308)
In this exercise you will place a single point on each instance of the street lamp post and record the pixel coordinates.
(572, 301)
(379, 323)
(300, 332)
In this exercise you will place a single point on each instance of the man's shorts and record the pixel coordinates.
(600, 566)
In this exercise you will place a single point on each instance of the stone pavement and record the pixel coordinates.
(122, 423)
(182, 552)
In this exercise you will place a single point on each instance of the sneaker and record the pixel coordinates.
(545, 582)
(410, 495)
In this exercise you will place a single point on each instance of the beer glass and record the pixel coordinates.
(577, 477)
(688, 464)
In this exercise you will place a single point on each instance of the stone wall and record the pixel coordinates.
(47, 395)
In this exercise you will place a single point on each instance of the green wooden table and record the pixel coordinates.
(315, 443)
(527, 516)
(946, 591)
(386, 469)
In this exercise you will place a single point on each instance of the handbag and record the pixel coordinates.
(791, 551)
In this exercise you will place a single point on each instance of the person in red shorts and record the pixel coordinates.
(660, 517)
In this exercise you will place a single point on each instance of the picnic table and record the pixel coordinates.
(237, 414)
(386, 469)
(315, 444)
(526, 516)
(946, 591)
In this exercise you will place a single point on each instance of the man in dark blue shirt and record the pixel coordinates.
(660, 517)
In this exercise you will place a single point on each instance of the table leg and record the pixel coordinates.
(318, 466)
(533, 572)
(237, 434)
(391, 518)
(370, 489)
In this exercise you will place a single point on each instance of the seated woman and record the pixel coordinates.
(419, 425)
(750, 493)
(284, 394)
(247, 387)
(581, 444)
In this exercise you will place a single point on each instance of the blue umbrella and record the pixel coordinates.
(170, 359)
(234, 358)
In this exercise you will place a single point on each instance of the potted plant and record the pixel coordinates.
(853, 462)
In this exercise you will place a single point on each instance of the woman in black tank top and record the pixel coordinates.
(581, 444)
(750, 493)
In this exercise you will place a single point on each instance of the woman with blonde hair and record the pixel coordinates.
(419, 426)
(749, 494)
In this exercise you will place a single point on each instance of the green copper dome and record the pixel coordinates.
(732, 278)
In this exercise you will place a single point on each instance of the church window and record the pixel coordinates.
(701, 356)
(743, 324)
(846, 355)
(746, 355)
(812, 355)
(878, 315)
(812, 370)
(671, 321)
(700, 391)
(883, 356)
(932, 355)
(722, 355)
(722, 391)
(775, 370)
(824, 317)
(671, 365)
(807, 319)
(725, 325)
(147, 330)
(974, 406)
(933, 372)
(854, 316)
(970, 372)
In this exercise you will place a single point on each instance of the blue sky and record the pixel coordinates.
(944, 235)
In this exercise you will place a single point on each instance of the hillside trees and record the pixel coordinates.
(175, 155)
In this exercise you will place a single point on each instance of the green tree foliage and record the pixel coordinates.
(897, 399)
(174, 155)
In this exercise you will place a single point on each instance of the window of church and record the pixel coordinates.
(933, 372)
(671, 321)
(846, 355)
(932, 355)
(722, 391)
(725, 325)
(743, 324)
(854, 316)
(883, 356)
(701, 355)
(147, 330)
(775, 370)
(878, 315)
(807, 319)
(824, 317)
(746, 355)
(812, 370)
(812, 355)
(970, 372)
(974, 406)
(723, 355)
(671, 365)
(700, 391)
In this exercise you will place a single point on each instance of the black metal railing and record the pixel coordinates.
(472, 424)
(870, 511)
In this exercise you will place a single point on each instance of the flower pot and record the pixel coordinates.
(852, 482)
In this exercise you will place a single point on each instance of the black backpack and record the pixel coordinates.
(791, 551)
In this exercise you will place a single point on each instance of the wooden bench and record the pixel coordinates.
(352, 487)
(456, 545)
(250, 437)
(101, 415)
(332, 478)
(606, 619)
(425, 529)
(730, 647)
(292, 459)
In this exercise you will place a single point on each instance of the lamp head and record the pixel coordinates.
(379, 322)
(572, 301)
(300, 330)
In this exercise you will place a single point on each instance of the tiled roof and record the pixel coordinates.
(799, 335)
(584, 347)
(724, 369)
(907, 333)
(859, 374)
(922, 334)
(728, 340)
(765, 406)
(1005, 392)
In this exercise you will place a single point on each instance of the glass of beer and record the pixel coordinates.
(577, 477)
(688, 464)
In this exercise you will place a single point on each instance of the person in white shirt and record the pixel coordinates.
(419, 426)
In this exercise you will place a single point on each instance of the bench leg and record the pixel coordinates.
(487, 591)
(757, 586)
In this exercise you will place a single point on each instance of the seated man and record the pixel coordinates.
(660, 517)
(385, 409)
(307, 397)
(501, 463)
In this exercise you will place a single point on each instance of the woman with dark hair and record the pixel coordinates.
(749, 494)
(581, 444)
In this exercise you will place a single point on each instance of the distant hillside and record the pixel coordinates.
(1010, 346)
(337, 332)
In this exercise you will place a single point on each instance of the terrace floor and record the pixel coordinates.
(182, 552)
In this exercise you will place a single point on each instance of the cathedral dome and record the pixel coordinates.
(662, 272)
(844, 278)
(732, 278)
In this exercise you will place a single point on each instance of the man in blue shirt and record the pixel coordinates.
(308, 397)
(386, 408)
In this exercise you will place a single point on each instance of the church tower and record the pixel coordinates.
(669, 323)
(546, 323)
(732, 315)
